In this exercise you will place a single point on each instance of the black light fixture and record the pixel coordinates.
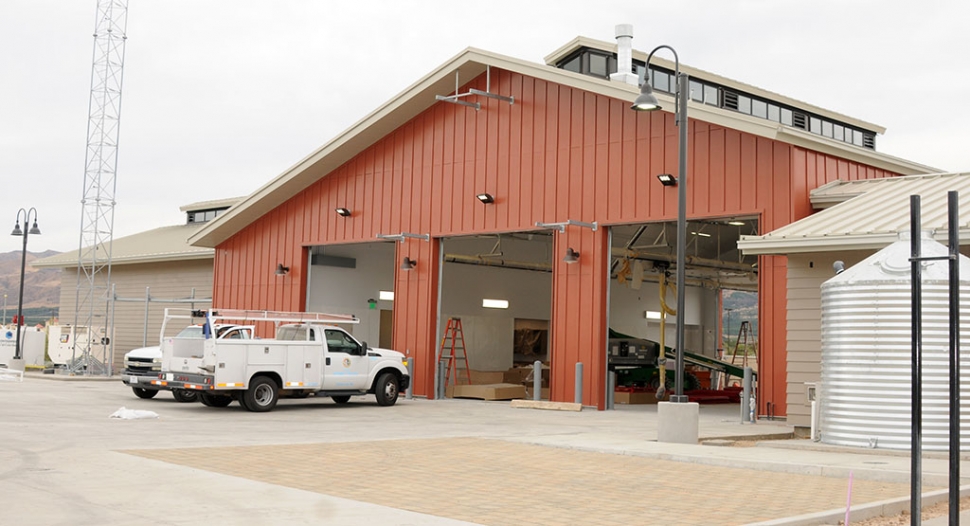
(343, 212)
(571, 256)
(408, 263)
(667, 180)
(281, 270)
(18, 354)
(485, 198)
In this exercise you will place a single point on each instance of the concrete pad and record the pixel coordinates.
(678, 422)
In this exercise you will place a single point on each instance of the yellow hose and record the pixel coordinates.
(664, 311)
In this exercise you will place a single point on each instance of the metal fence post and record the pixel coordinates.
(410, 393)
(746, 396)
(579, 382)
(610, 389)
(537, 380)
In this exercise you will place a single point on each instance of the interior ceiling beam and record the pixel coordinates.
(497, 262)
(696, 261)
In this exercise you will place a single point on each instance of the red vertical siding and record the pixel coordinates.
(558, 153)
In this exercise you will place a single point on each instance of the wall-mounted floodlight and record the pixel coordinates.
(571, 256)
(667, 180)
(342, 212)
(485, 198)
(282, 270)
(408, 263)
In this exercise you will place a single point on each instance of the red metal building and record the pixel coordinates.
(567, 148)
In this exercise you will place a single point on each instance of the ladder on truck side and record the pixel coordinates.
(453, 351)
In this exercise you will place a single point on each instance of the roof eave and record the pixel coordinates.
(147, 258)
(759, 246)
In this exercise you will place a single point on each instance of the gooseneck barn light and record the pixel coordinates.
(18, 351)
(646, 101)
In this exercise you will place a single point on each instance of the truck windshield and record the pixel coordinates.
(194, 331)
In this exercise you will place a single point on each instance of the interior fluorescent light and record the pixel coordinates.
(386, 295)
(702, 234)
(495, 304)
(736, 223)
(652, 315)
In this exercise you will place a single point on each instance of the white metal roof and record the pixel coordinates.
(870, 217)
(467, 65)
(168, 243)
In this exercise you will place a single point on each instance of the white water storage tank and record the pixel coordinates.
(866, 351)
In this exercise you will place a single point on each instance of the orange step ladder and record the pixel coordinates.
(453, 350)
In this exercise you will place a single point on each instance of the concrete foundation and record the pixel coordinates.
(16, 364)
(677, 422)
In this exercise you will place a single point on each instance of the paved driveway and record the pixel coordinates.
(62, 461)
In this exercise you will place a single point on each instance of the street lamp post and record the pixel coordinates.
(18, 352)
(648, 102)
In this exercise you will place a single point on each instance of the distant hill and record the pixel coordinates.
(739, 306)
(42, 287)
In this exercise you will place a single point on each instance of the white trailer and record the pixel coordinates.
(309, 355)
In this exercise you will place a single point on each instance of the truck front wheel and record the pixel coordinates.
(262, 395)
(144, 393)
(386, 389)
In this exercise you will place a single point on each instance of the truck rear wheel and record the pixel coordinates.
(262, 395)
(386, 389)
(185, 396)
(144, 393)
(214, 400)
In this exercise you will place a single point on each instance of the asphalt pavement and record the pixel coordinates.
(63, 461)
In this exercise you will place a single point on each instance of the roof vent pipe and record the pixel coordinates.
(624, 56)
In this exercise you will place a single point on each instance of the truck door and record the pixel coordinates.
(345, 362)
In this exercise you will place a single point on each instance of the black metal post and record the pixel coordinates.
(916, 410)
(953, 213)
(17, 354)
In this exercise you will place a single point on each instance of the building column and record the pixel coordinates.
(578, 325)
(416, 309)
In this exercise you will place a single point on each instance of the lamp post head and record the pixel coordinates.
(16, 230)
(34, 230)
(646, 101)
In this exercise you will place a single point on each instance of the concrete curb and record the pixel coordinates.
(541, 404)
(70, 378)
(862, 512)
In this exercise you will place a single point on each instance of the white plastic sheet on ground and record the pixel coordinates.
(11, 375)
(133, 414)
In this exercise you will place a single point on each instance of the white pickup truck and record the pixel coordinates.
(142, 365)
(309, 355)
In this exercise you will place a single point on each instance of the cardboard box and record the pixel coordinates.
(487, 377)
(625, 397)
(490, 392)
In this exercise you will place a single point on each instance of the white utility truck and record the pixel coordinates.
(309, 355)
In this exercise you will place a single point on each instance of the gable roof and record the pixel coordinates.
(168, 243)
(468, 65)
(870, 216)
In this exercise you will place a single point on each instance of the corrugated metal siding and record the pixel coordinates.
(558, 153)
(167, 281)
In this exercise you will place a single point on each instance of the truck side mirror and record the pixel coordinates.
(363, 348)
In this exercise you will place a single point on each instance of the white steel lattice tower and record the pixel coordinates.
(92, 347)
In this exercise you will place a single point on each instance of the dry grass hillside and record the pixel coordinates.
(42, 287)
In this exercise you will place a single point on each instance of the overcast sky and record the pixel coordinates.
(220, 96)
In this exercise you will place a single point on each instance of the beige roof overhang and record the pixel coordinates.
(872, 219)
(467, 65)
(169, 243)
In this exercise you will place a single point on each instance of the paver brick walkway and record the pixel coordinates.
(496, 482)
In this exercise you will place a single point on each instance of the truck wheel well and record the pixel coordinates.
(381, 372)
(268, 374)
